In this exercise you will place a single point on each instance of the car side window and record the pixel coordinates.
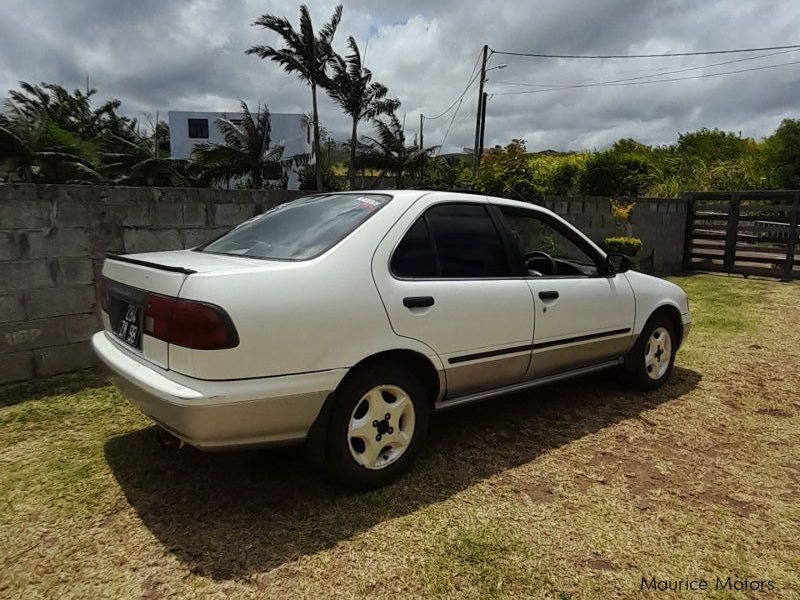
(539, 241)
(452, 241)
(467, 242)
(415, 255)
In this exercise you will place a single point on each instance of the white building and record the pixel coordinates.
(188, 129)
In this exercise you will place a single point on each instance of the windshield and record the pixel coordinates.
(301, 229)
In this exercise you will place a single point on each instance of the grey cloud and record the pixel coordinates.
(157, 55)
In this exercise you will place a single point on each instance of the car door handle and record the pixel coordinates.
(548, 295)
(417, 301)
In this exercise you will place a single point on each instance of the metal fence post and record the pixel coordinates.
(731, 232)
(687, 235)
(792, 242)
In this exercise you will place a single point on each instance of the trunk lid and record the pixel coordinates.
(131, 277)
(165, 272)
(223, 281)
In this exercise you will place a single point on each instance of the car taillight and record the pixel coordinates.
(157, 316)
(188, 323)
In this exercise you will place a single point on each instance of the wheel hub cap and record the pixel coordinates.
(658, 353)
(381, 426)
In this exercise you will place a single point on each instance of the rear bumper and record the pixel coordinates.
(217, 415)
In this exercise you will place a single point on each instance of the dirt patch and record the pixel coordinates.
(537, 493)
(601, 564)
(642, 478)
(774, 412)
(718, 498)
(719, 449)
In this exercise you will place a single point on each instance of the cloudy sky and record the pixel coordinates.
(160, 55)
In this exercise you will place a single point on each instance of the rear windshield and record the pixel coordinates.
(301, 229)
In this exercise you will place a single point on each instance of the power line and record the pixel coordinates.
(472, 77)
(588, 85)
(450, 126)
(664, 55)
(658, 74)
(452, 120)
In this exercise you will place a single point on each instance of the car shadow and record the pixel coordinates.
(232, 515)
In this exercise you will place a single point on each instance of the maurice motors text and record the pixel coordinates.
(701, 585)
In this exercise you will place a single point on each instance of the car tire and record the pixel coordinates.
(365, 449)
(649, 363)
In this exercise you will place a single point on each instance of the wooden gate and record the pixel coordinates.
(752, 233)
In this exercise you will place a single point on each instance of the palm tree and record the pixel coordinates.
(389, 152)
(34, 148)
(352, 88)
(144, 161)
(71, 111)
(247, 153)
(305, 54)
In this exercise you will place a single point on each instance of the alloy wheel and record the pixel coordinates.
(381, 427)
(658, 353)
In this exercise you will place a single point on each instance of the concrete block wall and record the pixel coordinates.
(659, 222)
(53, 239)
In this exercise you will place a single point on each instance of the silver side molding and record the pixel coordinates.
(523, 385)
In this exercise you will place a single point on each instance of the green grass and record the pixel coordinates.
(574, 491)
(721, 304)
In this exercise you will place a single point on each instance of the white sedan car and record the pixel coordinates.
(344, 320)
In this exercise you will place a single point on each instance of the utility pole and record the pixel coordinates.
(422, 150)
(475, 155)
(484, 99)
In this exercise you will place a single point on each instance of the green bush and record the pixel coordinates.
(566, 179)
(629, 246)
(308, 178)
(507, 172)
(612, 174)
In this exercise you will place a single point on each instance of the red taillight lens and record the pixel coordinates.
(157, 316)
(188, 323)
(200, 326)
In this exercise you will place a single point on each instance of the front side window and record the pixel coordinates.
(301, 229)
(539, 242)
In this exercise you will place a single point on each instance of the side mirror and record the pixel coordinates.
(617, 263)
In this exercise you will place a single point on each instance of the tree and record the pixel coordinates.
(611, 174)
(52, 135)
(305, 54)
(352, 88)
(72, 112)
(145, 161)
(712, 145)
(247, 154)
(446, 173)
(783, 153)
(565, 179)
(388, 150)
(35, 149)
(507, 172)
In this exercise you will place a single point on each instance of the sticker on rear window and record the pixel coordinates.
(368, 202)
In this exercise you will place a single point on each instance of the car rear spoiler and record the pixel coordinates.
(152, 265)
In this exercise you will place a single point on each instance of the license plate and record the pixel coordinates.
(130, 326)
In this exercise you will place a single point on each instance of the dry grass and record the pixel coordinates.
(575, 491)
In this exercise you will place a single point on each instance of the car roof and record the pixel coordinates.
(408, 197)
(403, 199)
